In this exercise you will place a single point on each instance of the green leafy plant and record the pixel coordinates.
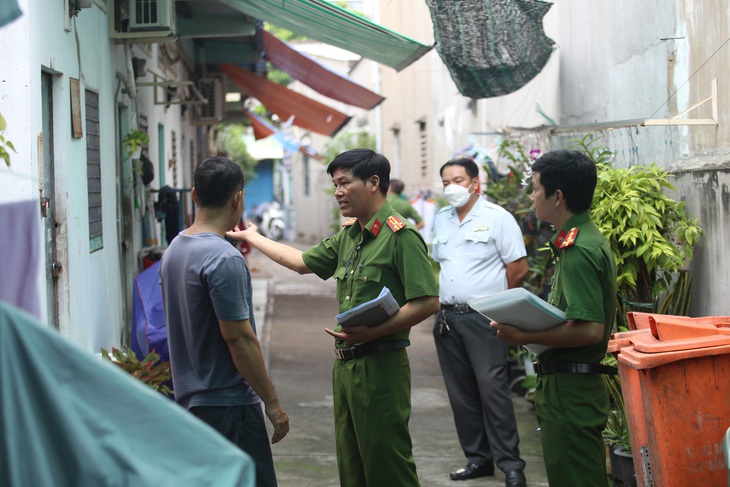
(617, 429)
(651, 235)
(5, 144)
(512, 192)
(134, 141)
(151, 370)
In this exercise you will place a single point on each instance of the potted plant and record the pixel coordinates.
(133, 142)
(651, 235)
(150, 370)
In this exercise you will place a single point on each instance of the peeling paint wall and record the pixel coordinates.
(707, 194)
(625, 60)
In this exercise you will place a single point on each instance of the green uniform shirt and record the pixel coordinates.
(364, 261)
(584, 286)
(404, 208)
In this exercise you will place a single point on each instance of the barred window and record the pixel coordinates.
(93, 171)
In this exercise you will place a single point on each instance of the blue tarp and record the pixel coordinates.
(70, 419)
(148, 317)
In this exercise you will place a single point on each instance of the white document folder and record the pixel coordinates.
(370, 313)
(520, 308)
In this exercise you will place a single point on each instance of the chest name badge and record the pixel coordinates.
(480, 229)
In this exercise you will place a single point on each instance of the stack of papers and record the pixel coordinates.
(371, 313)
(519, 307)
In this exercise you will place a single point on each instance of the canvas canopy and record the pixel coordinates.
(308, 114)
(326, 22)
(317, 76)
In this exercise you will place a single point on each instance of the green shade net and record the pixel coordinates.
(491, 47)
(328, 23)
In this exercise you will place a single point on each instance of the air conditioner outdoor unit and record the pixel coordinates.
(212, 90)
(157, 15)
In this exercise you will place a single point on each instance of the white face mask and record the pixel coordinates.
(457, 195)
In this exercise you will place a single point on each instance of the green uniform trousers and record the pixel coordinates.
(372, 402)
(572, 410)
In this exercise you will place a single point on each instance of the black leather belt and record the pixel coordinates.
(572, 368)
(459, 309)
(352, 353)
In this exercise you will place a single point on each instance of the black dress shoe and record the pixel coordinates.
(515, 478)
(473, 471)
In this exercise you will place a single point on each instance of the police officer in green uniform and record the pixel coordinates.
(571, 399)
(401, 205)
(371, 375)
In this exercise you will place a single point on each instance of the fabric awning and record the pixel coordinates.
(317, 76)
(326, 22)
(263, 129)
(308, 114)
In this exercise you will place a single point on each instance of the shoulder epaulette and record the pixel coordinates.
(350, 222)
(568, 239)
(395, 223)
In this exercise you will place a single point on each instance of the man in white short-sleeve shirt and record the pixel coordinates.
(480, 250)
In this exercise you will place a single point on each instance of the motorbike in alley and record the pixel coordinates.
(269, 218)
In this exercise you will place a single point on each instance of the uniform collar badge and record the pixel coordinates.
(375, 227)
(567, 239)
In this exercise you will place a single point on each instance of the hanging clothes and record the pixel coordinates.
(167, 208)
(20, 255)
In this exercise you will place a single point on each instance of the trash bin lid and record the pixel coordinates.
(623, 339)
(631, 357)
(669, 327)
(669, 338)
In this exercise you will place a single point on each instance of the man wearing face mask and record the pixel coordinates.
(480, 250)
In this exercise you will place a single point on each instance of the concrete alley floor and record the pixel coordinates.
(291, 313)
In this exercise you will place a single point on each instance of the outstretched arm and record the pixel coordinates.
(246, 354)
(280, 253)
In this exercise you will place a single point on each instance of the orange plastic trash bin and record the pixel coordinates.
(677, 397)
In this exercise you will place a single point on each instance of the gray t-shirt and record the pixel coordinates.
(205, 279)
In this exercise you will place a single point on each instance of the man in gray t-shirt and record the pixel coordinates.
(217, 366)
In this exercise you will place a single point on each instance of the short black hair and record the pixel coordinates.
(571, 172)
(396, 186)
(364, 163)
(216, 180)
(469, 166)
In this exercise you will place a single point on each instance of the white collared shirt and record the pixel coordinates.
(473, 253)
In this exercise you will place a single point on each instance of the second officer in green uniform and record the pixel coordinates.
(571, 399)
(371, 376)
